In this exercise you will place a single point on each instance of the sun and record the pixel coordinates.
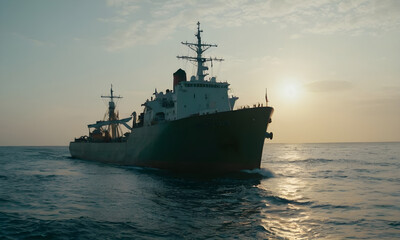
(291, 90)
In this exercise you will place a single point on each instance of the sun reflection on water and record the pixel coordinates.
(286, 213)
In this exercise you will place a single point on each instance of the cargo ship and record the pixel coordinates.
(192, 127)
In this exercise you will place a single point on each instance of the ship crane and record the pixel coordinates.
(200, 48)
(112, 122)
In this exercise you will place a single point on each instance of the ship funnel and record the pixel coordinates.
(179, 76)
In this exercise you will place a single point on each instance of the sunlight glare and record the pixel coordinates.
(291, 90)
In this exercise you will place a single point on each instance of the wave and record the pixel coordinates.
(394, 223)
(2, 177)
(16, 226)
(281, 200)
(331, 206)
(313, 160)
(260, 171)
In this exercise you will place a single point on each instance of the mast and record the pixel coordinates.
(199, 48)
(111, 112)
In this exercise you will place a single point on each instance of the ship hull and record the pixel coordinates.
(219, 142)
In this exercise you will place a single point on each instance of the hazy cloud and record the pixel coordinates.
(328, 86)
(159, 19)
(392, 89)
(360, 16)
(113, 20)
(295, 36)
(142, 32)
(32, 41)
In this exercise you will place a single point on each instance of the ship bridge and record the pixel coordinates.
(197, 96)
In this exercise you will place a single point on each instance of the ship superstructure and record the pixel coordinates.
(197, 96)
(193, 126)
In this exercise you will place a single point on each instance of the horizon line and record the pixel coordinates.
(398, 141)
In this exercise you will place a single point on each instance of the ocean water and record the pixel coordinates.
(302, 191)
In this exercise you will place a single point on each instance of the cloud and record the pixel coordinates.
(146, 22)
(328, 86)
(32, 41)
(295, 36)
(112, 20)
(360, 16)
(142, 33)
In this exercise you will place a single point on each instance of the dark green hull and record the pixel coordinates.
(226, 141)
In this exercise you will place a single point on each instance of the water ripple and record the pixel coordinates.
(314, 191)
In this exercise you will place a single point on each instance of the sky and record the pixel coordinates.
(332, 68)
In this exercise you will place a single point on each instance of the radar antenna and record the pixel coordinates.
(200, 48)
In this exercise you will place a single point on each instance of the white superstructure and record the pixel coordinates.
(198, 96)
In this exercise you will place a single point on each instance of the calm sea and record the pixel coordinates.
(303, 191)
